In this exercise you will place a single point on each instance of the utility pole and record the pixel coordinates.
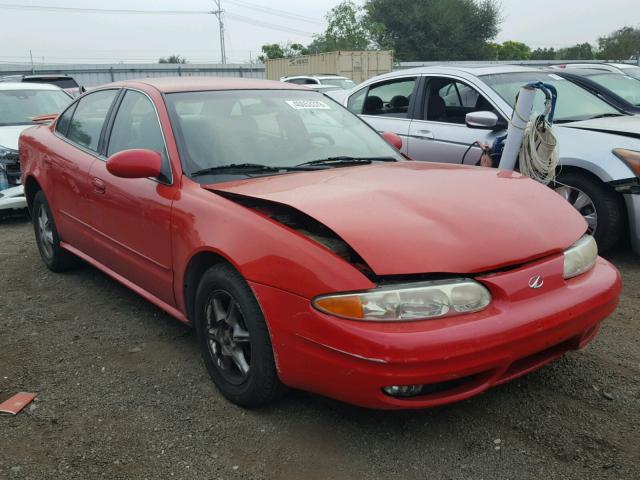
(33, 70)
(218, 13)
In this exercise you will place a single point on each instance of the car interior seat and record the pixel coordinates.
(373, 106)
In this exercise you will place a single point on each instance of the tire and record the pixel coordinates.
(608, 206)
(239, 341)
(56, 258)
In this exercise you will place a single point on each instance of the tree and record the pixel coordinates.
(173, 59)
(433, 29)
(277, 50)
(580, 51)
(511, 50)
(346, 30)
(620, 45)
(543, 54)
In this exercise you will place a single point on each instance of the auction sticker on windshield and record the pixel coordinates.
(308, 105)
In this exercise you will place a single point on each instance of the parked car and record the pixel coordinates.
(320, 81)
(624, 68)
(306, 250)
(440, 111)
(618, 90)
(20, 103)
(66, 82)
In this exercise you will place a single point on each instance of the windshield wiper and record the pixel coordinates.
(244, 168)
(347, 160)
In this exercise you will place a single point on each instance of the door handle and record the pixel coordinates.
(425, 134)
(98, 186)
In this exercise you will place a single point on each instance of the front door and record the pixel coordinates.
(440, 134)
(132, 217)
(386, 106)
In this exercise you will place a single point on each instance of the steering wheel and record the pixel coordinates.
(325, 136)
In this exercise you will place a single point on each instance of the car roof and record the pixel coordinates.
(195, 84)
(47, 77)
(474, 69)
(585, 72)
(27, 86)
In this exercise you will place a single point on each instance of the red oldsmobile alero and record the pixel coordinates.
(306, 250)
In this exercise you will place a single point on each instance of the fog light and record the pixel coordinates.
(403, 390)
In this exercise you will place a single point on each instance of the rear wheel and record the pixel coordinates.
(56, 258)
(600, 206)
(234, 340)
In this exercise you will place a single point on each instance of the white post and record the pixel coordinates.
(519, 120)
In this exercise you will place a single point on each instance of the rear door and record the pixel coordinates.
(439, 132)
(386, 105)
(132, 216)
(79, 132)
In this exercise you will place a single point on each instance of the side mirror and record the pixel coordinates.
(485, 120)
(135, 163)
(393, 139)
(82, 89)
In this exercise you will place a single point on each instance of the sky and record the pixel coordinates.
(70, 36)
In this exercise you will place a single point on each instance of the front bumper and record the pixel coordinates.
(458, 357)
(13, 199)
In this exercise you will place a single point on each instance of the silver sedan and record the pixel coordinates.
(440, 111)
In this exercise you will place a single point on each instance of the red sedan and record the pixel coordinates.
(306, 251)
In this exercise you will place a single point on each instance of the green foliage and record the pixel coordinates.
(346, 30)
(543, 54)
(580, 51)
(620, 45)
(511, 50)
(277, 50)
(433, 29)
(173, 59)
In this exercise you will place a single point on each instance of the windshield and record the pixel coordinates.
(18, 107)
(632, 72)
(339, 82)
(622, 85)
(574, 103)
(276, 128)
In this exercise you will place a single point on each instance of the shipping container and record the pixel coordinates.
(358, 66)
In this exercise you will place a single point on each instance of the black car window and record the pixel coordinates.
(390, 98)
(62, 125)
(450, 100)
(88, 118)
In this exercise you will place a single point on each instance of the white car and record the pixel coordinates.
(624, 68)
(317, 82)
(20, 103)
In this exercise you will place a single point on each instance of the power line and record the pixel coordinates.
(13, 6)
(274, 11)
(272, 26)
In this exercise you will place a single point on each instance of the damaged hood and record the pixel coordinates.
(627, 125)
(415, 217)
(10, 134)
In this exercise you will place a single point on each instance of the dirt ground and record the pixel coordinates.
(123, 394)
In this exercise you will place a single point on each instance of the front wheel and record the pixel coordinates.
(234, 339)
(600, 206)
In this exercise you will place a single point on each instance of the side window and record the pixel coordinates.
(390, 98)
(136, 125)
(356, 101)
(88, 118)
(449, 101)
(62, 125)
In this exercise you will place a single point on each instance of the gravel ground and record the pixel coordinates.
(122, 393)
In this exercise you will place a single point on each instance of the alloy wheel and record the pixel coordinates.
(46, 232)
(581, 202)
(228, 338)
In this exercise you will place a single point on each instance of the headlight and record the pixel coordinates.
(580, 257)
(630, 157)
(415, 301)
